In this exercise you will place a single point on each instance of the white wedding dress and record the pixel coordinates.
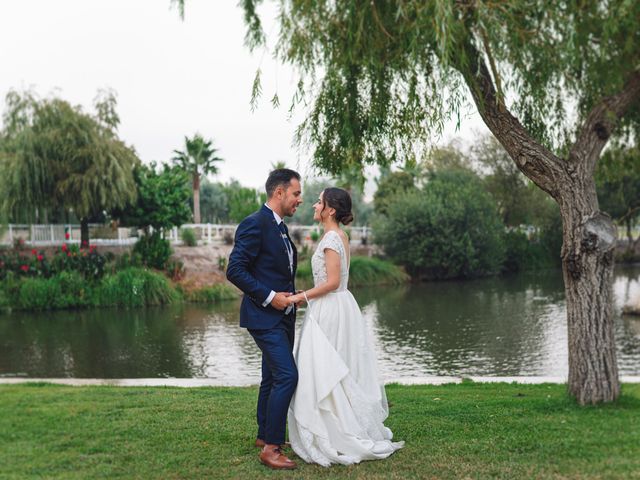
(337, 412)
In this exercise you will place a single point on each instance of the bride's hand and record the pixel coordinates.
(298, 298)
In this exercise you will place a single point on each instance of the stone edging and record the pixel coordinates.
(212, 382)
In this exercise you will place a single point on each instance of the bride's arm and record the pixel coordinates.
(332, 262)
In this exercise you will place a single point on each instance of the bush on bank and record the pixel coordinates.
(448, 229)
(131, 287)
(363, 271)
(78, 277)
(211, 294)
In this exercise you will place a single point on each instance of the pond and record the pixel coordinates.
(504, 326)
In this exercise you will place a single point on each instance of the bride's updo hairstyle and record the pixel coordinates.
(340, 200)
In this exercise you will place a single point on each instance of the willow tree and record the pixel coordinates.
(553, 81)
(55, 156)
(197, 159)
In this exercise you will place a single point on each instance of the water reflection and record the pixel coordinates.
(503, 326)
(500, 326)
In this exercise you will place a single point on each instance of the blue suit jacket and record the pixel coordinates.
(258, 264)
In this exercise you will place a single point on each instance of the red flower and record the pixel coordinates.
(67, 236)
(85, 243)
(64, 247)
(24, 268)
(40, 258)
(34, 252)
(68, 254)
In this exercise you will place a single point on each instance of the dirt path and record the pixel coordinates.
(202, 267)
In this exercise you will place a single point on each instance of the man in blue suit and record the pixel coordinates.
(263, 265)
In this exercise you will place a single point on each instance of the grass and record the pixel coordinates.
(451, 431)
(363, 271)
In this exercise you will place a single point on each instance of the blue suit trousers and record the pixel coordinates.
(279, 379)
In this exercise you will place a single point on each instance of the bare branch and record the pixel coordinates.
(494, 68)
(600, 124)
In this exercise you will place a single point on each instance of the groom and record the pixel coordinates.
(263, 265)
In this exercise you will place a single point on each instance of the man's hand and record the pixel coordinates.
(280, 301)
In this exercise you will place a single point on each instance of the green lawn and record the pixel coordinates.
(452, 431)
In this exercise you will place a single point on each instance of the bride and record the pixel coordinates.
(338, 409)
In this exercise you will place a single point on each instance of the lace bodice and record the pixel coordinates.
(331, 240)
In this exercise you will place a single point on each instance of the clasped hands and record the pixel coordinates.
(282, 300)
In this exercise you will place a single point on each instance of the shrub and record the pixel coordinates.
(375, 271)
(63, 290)
(363, 271)
(40, 294)
(550, 236)
(315, 235)
(18, 243)
(175, 269)
(212, 294)
(135, 287)
(126, 261)
(87, 261)
(189, 237)
(154, 250)
(74, 289)
(517, 249)
(523, 253)
(450, 228)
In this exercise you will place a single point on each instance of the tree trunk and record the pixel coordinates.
(588, 235)
(589, 239)
(196, 198)
(630, 244)
(84, 232)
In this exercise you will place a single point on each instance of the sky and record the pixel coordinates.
(172, 77)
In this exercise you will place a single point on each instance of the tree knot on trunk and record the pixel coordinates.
(598, 234)
(601, 131)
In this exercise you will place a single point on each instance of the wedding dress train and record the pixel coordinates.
(338, 409)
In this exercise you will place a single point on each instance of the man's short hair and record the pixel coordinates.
(280, 176)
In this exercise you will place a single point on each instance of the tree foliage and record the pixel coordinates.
(520, 201)
(390, 187)
(242, 201)
(163, 198)
(618, 184)
(382, 76)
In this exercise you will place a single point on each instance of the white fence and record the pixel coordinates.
(56, 234)
(205, 233)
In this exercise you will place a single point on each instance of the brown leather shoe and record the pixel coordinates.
(272, 457)
(261, 443)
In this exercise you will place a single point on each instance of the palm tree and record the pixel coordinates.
(197, 159)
